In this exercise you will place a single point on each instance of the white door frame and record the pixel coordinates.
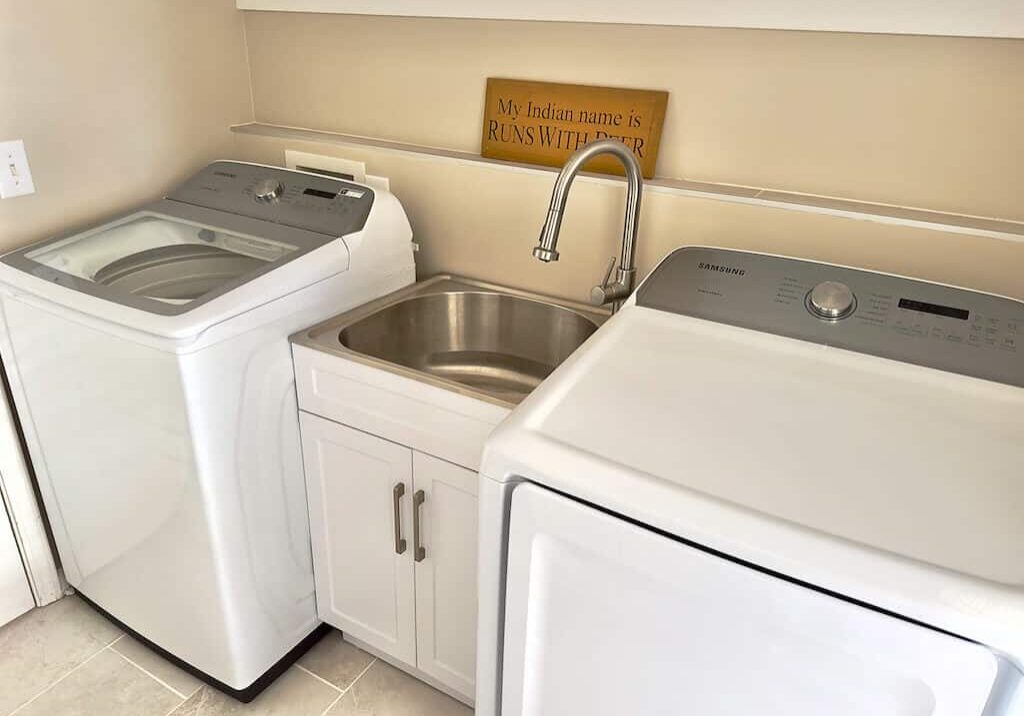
(19, 496)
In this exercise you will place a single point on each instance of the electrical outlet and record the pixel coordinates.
(15, 176)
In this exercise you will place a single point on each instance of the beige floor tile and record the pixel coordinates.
(148, 660)
(386, 691)
(295, 693)
(336, 660)
(45, 644)
(106, 685)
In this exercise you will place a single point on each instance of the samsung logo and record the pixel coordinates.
(731, 270)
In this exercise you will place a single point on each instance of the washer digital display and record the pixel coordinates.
(320, 193)
(934, 309)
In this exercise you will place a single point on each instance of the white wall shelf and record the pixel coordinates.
(968, 18)
(848, 208)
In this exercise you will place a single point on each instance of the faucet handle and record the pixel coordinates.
(608, 271)
(605, 291)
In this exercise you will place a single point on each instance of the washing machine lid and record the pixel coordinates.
(882, 479)
(170, 271)
(155, 262)
(226, 226)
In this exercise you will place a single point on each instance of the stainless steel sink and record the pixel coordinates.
(475, 338)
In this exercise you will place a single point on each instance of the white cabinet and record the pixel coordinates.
(394, 549)
(446, 576)
(358, 489)
(432, 420)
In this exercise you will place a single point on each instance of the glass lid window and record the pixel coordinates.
(160, 258)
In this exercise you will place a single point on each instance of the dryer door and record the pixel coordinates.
(606, 618)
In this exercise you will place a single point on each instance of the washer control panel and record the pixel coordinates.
(305, 201)
(917, 322)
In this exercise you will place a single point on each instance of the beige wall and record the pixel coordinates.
(116, 101)
(912, 121)
(907, 120)
(482, 221)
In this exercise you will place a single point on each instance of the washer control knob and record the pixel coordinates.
(831, 301)
(268, 190)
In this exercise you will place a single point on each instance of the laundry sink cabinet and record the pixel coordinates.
(394, 549)
(396, 399)
(391, 481)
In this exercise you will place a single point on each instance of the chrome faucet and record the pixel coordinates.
(546, 250)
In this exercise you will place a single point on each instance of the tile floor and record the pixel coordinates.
(67, 660)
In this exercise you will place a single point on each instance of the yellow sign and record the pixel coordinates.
(544, 122)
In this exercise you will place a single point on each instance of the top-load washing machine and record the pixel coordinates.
(150, 367)
(765, 486)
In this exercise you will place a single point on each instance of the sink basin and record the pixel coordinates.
(465, 335)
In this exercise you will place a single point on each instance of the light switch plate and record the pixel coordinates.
(15, 175)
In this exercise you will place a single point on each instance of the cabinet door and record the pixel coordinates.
(446, 572)
(364, 574)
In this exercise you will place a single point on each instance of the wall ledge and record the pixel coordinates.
(1002, 229)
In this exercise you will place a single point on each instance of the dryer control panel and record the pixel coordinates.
(917, 322)
(305, 201)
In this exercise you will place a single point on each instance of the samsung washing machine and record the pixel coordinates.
(150, 366)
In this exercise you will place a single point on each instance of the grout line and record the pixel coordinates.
(300, 667)
(332, 704)
(51, 686)
(344, 691)
(177, 706)
(149, 674)
(361, 674)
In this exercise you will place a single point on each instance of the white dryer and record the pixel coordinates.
(765, 486)
(150, 366)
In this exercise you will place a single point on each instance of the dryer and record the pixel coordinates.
(149, 363)
(766, 486)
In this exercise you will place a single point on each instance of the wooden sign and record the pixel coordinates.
(544, 122)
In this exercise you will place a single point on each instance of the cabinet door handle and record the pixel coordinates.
(396, 497)
(418, 550)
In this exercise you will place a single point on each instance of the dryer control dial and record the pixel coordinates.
(831, 301)
(267, 190)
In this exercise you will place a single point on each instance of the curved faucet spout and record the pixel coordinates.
(547, 248)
